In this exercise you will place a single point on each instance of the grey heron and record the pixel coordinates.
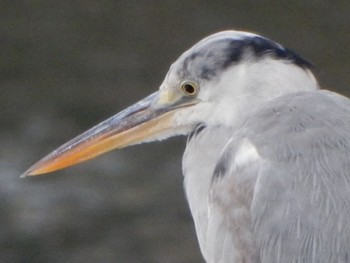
(267, 162)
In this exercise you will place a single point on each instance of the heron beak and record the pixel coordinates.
(144, 121)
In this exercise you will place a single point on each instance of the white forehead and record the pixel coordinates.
(214, 54)
(233, 34)
(228, 34)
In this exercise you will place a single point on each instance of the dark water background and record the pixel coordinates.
(66, 65)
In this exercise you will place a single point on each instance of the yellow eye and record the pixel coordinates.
(189, 88)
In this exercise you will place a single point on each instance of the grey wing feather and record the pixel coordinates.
(296, 187)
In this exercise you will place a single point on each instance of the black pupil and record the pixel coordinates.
(189, 88)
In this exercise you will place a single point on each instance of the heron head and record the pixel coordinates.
(213, 83)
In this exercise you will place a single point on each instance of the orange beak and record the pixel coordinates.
(146, 120)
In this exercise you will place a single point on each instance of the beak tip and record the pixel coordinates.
(30, 172)
(23, 175)
(26, 174)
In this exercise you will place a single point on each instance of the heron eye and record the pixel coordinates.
(189, 88)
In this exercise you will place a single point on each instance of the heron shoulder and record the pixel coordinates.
(285, 128)
(300, 121)
(295, 196)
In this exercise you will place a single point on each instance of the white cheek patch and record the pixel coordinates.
(246, 154)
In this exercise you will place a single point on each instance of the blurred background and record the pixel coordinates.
(67, 65)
